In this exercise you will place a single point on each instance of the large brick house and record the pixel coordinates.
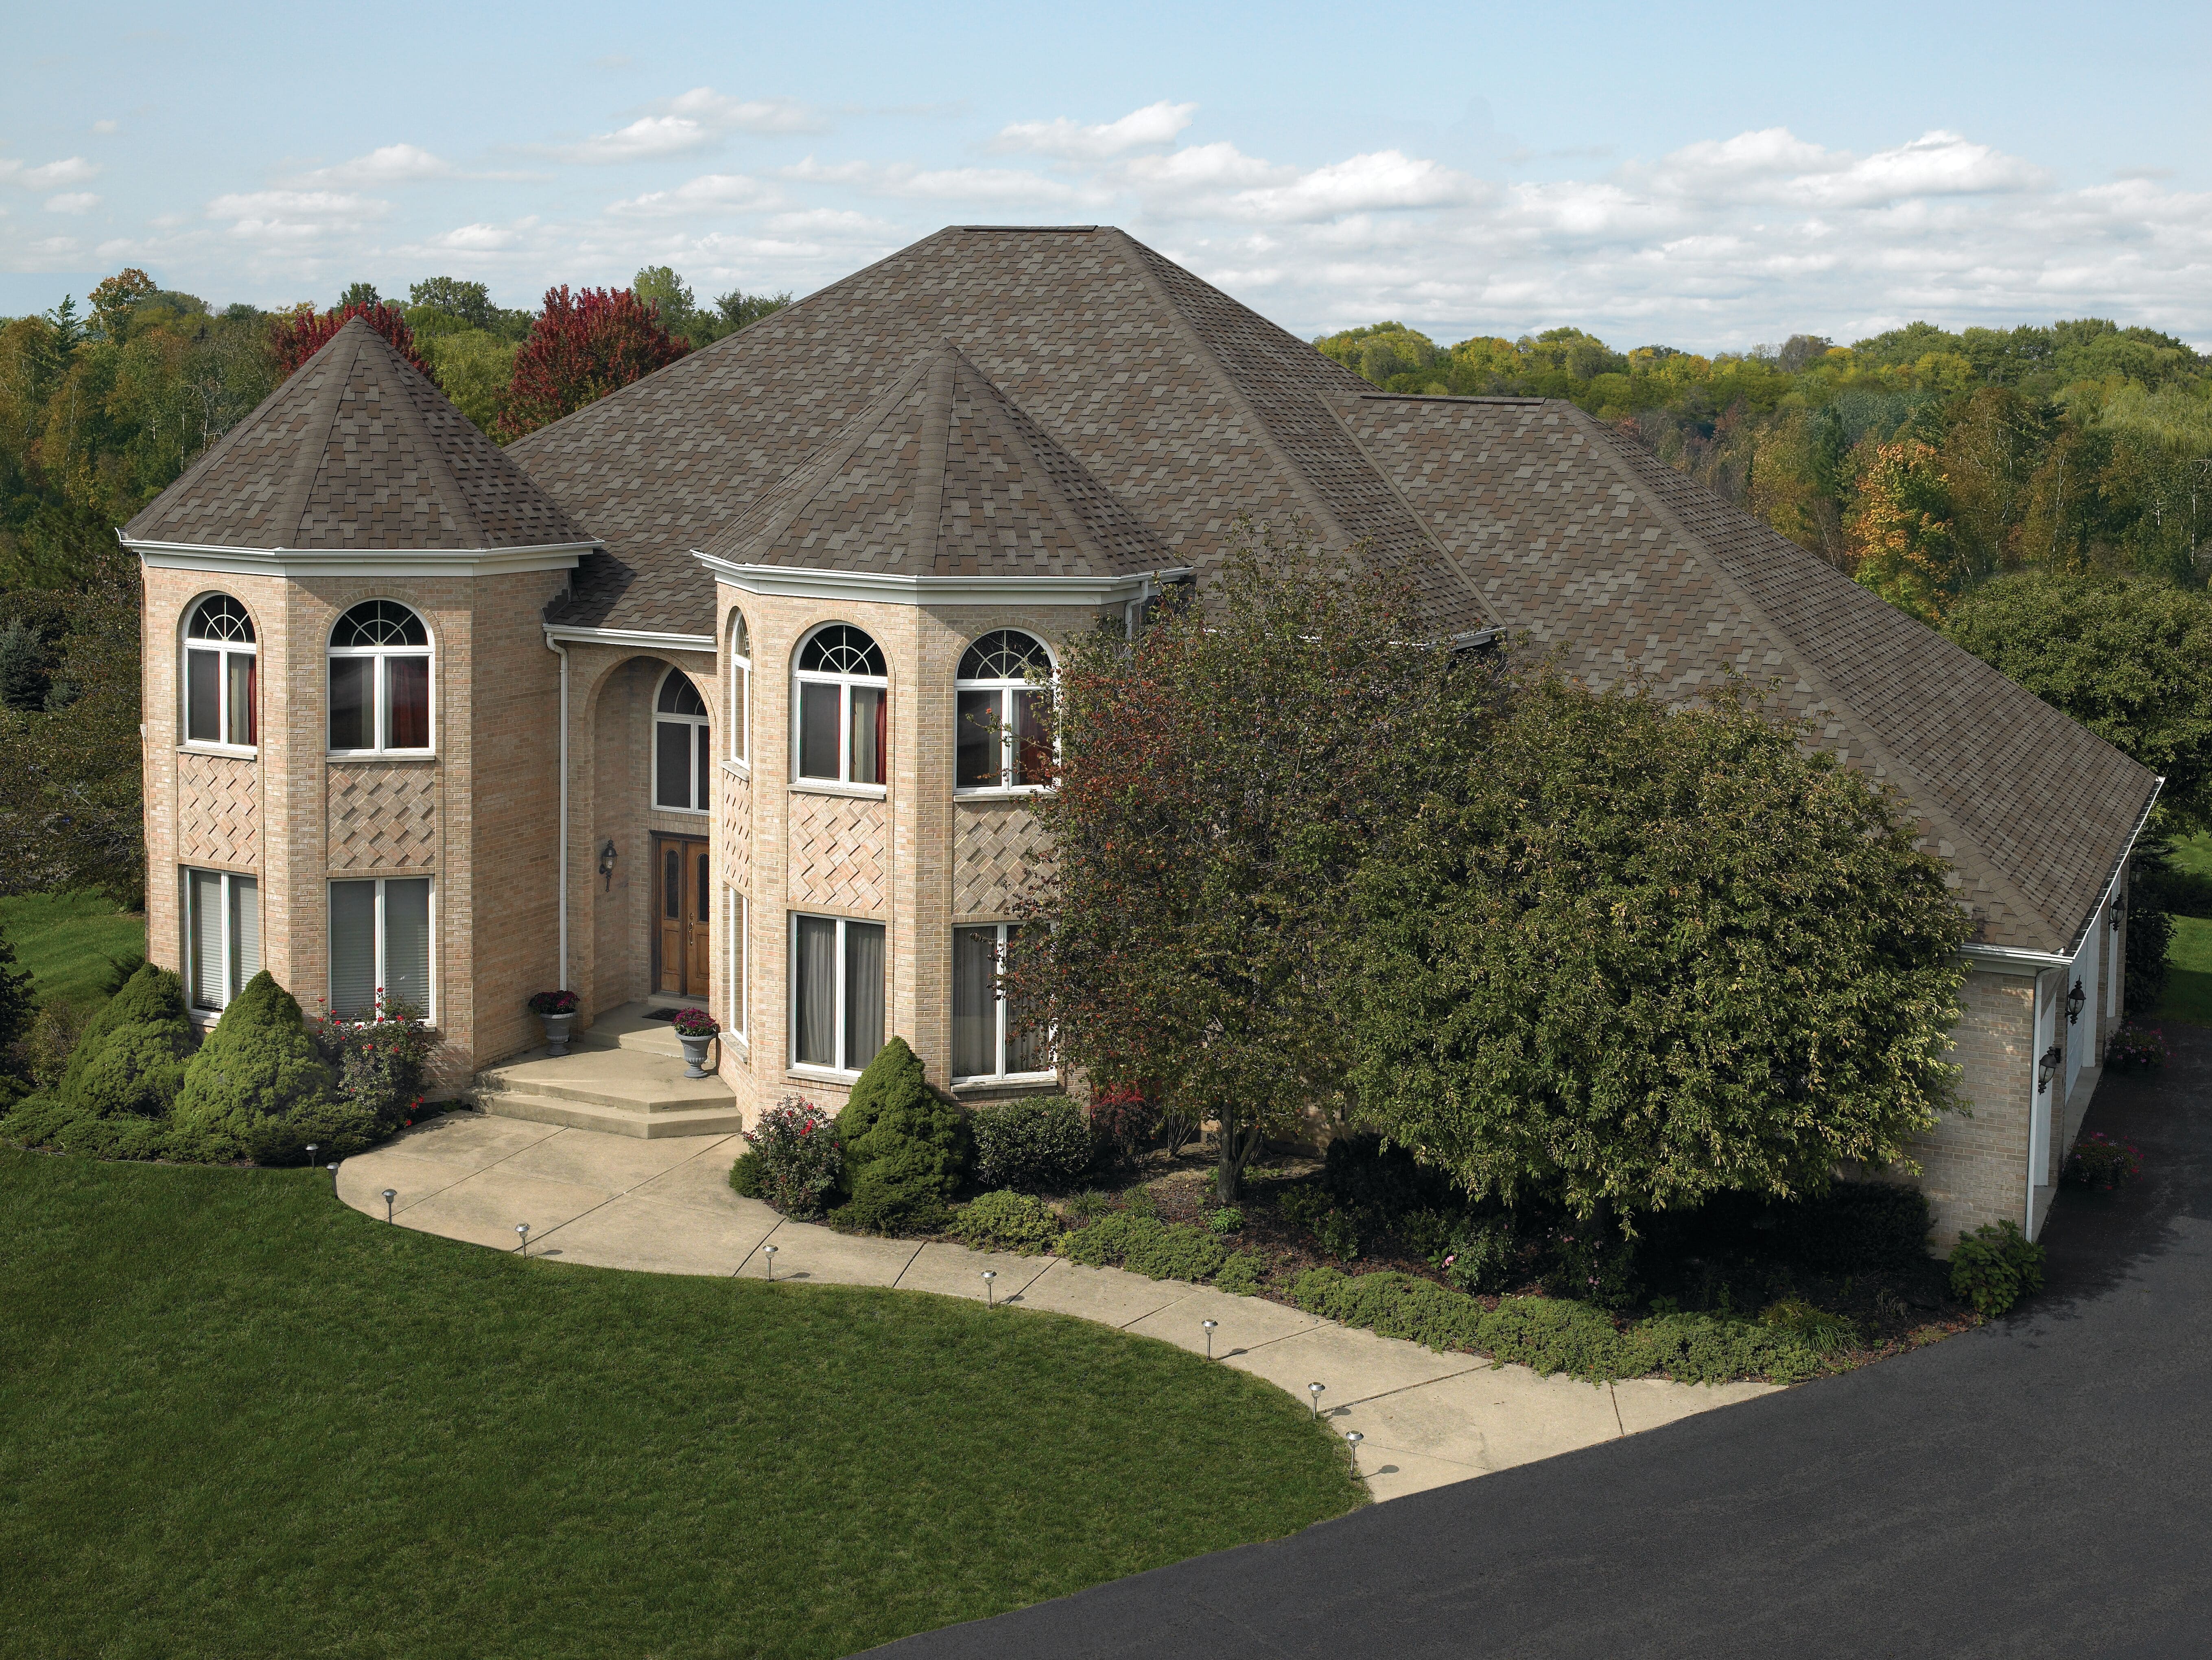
(713, 691)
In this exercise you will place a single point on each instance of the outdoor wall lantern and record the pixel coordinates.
(2047, 1069)
(607, 863)
(2074, 1000)
(2119, 911)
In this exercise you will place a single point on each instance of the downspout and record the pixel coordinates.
(561, 886)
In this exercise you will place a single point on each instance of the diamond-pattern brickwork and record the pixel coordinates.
(383, 818)
(218, 812)
(997, 847)
(840, 851)
(735, 833)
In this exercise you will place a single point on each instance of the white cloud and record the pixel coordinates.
(710, 192)
(994, 185)
(317, 204)
(72, 202)
(711, 108)
(73, 170)
(643, 140)
(691, 121)
(1155, 124)
(105, 127)
(390, 164)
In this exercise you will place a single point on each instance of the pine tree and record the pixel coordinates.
(259, 1090)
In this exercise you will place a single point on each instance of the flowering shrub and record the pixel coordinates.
(2135, 1046)
(2098, 1162)
(553, 1002)
(1123, 1120)
(382, 1063)
(694, 1023)
(795, 1159)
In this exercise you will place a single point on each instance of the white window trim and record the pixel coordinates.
(221, 649)
(983, 1079)
(739, 751)
(844, 782)
(227, 902)
(809, 1068)
(691, 749)
(428, 652)
(737, 910)
(382, 981)
(1002, 790)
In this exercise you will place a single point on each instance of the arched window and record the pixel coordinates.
(741, 688)
(999, 740)
(683, 752)
(221, 674)
(379, 681)
(842, 708)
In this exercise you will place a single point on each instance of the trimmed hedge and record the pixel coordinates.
(906, 1151)
(1041, 1143)
(1006, 1221)
(1146, 1245)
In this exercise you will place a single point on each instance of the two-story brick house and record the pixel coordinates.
(715, 691)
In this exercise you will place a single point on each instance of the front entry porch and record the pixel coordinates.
(624, 1076)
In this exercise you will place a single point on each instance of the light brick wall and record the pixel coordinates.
(1974, 1163)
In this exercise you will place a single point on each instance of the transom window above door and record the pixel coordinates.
(221, 674)
(682, 752)
(999, 740)
(841, 710)
(379, 681)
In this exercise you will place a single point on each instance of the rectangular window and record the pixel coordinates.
(869, 708)
(741, 708)
(407, 703)
(704, 797)
(985, 1043)
(222, 927)
(818, 731)
(836, 993)
(672, 771)
(999, 740)
(203, 697)
(739, 912)
(350, 679)
(975, 741)
(379, 942)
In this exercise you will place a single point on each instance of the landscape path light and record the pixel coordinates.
(334, 1174)
(523, 1229)
(390, 1194)
(990, 1298)
(1209, 1325)
(1352, 1438)
(1315, 1389)
(311, 1153)
(769, 1251)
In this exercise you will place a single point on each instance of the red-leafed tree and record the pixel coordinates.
(581, 348)
(306, 331)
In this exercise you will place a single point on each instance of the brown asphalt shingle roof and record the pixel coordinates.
(356, 450)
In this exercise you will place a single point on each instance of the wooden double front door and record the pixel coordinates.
(681, 887)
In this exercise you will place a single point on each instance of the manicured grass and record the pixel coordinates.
(239, 1419)
(2189, 973)
(66, 940)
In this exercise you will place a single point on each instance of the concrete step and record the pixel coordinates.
(629, 1026)
(613, 1121)
(634, 1081)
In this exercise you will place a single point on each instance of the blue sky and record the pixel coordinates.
(1711, 177)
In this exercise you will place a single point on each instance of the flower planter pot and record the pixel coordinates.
(695, 1054)
(557, 1032)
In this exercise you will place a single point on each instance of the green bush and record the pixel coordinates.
(1996, 1265)
(1824, 1333)
(1391, 1305)
(1703, 1348)
(745, 1174)
(258, 1089)
(1039, 1143)
(1228, 1219)
(1146, 1245)
(113, 1096)
(1242, 1275)
(1303, 1206)
(906, 1151)
(1480, 1259)
(1549, 1334)
(1359, 1173)
(1007, 1221)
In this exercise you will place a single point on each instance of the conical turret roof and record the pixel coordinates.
(356, 450)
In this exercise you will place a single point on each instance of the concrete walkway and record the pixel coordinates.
(665, 1207)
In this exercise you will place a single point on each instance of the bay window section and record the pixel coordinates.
(380, 947)
(221, 674)
(223, 929)
(986, 1045)
(998, 737)
(683, 747)
(836, 993)
(379, 681)
(841, 710)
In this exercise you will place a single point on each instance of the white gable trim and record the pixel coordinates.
(642, 639)
(888, 589)
(358, 562)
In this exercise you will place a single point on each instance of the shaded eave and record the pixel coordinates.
(223, 560)
(789, 581)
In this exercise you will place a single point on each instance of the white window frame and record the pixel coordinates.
(814, 1068)
(966, 1080)
(377, 700)
(738, 911)
(383, 979)
(843, 783)
(1003, 689)
(229, 902)
(741, 690)
(221, 651)
(696, 748)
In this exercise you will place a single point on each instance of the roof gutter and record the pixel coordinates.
(636, 639)
(357, 562)
(2009, 957)
(891, 588)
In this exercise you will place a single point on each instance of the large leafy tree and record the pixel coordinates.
(581, 348)
(1633, 957)
(306, 331)
(1221, 778)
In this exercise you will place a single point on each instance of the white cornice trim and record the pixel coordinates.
(2006, 957)
(886, 589)
(643, 639)
(359, 562)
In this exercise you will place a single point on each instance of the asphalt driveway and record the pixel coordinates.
(2042, 1486)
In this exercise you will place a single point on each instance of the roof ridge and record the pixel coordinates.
(925, 533)
(315, 444)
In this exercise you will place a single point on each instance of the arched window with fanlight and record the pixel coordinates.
(380, 657)
(999, 740)
(222, 677)
(682, 752)
(841, 709)
(741, 688)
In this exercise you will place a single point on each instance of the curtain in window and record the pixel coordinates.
(702, 796)
(241, 672)
(741, 693)
(864, 993)
(814, 995)
(204, 894)
(1032, 755)
(353, 949)
(975, 1016)
(407, 942)
(868, 735)
(349, 682)
(1024, 1053)
(201, 720)
(817, 730)
(407, 694)
(672, 746)
(245, 932)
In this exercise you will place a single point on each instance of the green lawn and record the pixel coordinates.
(238, 1418)
(2189, 973)
(66, 940)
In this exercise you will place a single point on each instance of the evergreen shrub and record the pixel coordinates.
(1146, 1245)
(905, 1151)
(1703, 1348)
(258, 1089)
(1006, 1221)
(113, 1096)
(1242, 1275)
(1039, 1143)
